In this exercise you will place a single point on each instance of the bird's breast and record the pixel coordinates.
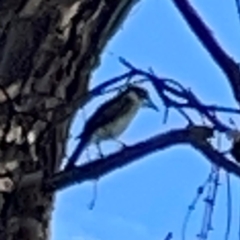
(117, 126)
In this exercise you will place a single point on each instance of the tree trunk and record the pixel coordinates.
(48, 50)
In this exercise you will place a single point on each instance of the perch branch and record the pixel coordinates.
(101, 167)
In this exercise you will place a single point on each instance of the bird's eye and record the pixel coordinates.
(143, 94)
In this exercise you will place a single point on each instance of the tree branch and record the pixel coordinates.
(224, 61)
(101, 167)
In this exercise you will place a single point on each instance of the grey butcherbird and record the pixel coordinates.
(112, 118)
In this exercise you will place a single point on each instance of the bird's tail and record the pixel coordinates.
(76, 154)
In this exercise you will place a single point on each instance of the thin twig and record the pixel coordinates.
(192, 206)
(169, 236)
(209, 205)
(237, 2)
(229, 207)
(94, 198)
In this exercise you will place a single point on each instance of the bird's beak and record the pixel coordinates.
(149, 104)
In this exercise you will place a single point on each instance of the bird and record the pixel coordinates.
(111, 119)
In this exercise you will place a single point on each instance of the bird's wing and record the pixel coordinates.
(108, 112)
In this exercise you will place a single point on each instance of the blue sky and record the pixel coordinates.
(150, 197)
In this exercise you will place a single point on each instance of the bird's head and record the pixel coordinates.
(143, 96)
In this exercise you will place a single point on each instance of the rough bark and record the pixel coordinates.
(48, 50)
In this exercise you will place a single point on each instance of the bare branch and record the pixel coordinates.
(101, 167)
(162, 86)
(224, 61)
